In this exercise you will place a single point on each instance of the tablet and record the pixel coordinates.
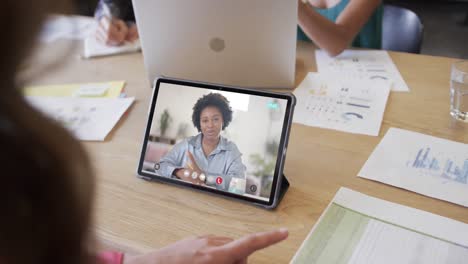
(224, 140)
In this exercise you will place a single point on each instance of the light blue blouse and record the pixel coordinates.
(225, 161)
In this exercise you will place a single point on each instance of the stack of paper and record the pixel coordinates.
(93, 48)
(349, 93)
(89, 111)
(424, 164)
(362, 65)
(355, 106)
(88, 119)
(82, 28)
(356, 228)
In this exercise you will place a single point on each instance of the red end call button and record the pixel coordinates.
(219, 180)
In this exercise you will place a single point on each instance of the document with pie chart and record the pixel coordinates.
(354, 106)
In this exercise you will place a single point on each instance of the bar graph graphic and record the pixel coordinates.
(428, 163)
(425, 164)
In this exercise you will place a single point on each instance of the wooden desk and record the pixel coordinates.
(136, 215)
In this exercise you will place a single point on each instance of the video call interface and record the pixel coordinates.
(216, 139)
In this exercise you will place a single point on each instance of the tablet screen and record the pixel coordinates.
(221, 139)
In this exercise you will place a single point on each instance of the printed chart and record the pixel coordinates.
(363, 65)
(424, 164)
(357, 229)
(86, 118)
(350, 106)
(428, 163)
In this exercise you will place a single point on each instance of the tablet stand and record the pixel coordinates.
(284, 187)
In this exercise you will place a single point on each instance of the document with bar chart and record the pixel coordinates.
(363, 64)
(353, 106)
(356, 229)
(420, 163)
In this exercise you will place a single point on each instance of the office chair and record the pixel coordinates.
(402, 30)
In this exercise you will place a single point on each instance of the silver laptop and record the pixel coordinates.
(249, 43)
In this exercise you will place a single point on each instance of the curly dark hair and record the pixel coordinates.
(216, 100)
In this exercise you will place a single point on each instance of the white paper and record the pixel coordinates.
(355, 106)
(67, 27)
(362, 64)
(356, 228)
(93, 48)
(87, 118)
(424, 164)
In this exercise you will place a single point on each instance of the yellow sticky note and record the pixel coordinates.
(108, 90)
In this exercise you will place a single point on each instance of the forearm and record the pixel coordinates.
(331, 37)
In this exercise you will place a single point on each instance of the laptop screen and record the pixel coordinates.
(222, 139)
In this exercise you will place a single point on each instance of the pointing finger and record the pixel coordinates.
(243, 247)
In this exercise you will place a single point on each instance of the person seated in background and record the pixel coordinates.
(47, 182)
(115, 22)
(335, 24)
(331, 24)
(203, 158)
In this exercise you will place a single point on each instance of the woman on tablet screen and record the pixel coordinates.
(207, 158)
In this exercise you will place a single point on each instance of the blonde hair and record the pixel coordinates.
(46, 188)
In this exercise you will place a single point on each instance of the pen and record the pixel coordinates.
(106, 13)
